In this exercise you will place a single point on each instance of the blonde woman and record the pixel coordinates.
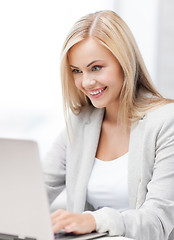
(116, 156)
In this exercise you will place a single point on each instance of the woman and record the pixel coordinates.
(116, 157)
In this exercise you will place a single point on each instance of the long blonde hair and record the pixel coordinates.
(138, 95)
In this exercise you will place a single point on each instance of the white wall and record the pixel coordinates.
(165, 53)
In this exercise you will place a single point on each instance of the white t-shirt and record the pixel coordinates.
(108, 184)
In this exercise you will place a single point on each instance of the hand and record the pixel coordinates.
(73, 222)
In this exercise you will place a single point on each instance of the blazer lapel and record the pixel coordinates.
(91, 138)
(134, 163)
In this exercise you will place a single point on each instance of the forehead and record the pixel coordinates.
(88, 50)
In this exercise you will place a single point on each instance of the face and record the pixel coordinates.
(96, 72)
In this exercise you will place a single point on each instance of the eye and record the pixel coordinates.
(75, 70)
(96, 68)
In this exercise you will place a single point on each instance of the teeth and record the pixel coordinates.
(96, 92)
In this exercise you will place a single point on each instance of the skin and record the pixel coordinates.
(72, 222)
(98, 74)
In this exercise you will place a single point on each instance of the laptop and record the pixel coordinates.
(24, 209)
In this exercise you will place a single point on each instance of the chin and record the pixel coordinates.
(98, 105)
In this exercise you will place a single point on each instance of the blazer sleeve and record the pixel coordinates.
(54, 167)
(154, 219)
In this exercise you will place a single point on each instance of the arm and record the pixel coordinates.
(54, 167)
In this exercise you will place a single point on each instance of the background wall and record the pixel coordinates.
(165, 48)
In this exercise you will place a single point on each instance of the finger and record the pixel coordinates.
(72, 227)
(59, 212)
(59, 220)
(60, 225)
(61, 217)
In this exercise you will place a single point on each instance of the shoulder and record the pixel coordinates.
(160, 118)
(161, 114)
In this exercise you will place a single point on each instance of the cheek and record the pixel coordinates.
(109, 77)
(105, 77)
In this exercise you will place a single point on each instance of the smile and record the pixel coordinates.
(97, 92)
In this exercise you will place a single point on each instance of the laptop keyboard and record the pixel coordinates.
(66, 236)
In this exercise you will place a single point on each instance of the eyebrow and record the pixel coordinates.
(93, 62)
(87, 65)
(73, 66)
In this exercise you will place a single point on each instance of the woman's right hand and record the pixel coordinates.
(77, 223)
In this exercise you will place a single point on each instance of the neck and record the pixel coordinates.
(111, 114)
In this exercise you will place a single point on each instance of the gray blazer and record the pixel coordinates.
(150, 173)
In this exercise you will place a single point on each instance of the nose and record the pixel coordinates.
(88, 81)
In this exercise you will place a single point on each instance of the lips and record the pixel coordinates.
(97, 92)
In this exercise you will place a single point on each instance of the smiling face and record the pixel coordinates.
(96, 72)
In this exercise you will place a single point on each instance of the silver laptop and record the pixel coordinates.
(24, 209)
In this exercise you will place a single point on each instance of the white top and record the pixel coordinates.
(108, 184)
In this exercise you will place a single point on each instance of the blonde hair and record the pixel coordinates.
(138, 95)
